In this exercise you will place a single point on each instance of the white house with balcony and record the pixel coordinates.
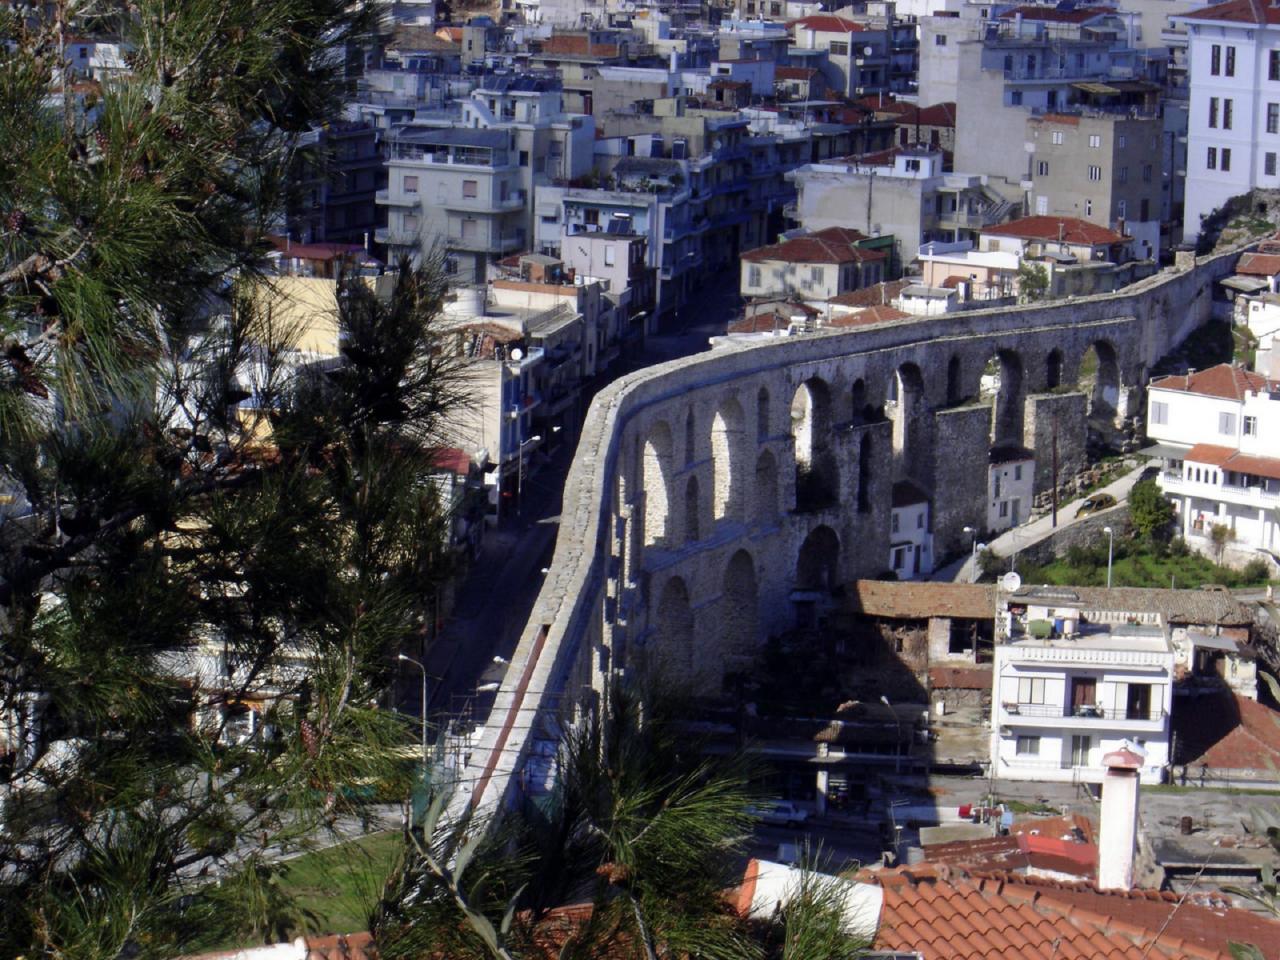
(1217, 432)
(1071, 684)
(911, 543)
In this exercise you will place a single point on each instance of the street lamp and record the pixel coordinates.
(407, 659)
(520, 472)
(1111, 544)
(897, 756)
(973, 553)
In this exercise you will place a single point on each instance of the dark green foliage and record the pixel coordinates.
(171, 528)
(1149, 512)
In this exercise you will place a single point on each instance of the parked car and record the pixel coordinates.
(780, 813)
(1095, 504)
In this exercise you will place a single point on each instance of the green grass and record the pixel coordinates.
(1138, 565)
(340, 885)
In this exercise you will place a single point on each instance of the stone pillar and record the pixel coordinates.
(1119, 831)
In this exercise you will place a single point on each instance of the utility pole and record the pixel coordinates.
(1054, 488)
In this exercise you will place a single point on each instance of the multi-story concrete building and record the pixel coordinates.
(1218, 433)
(1011, 473)
(858, 56)
(340, 168)
(1102, 167)
(1233, 137)
(1074, 681)
(909, 198)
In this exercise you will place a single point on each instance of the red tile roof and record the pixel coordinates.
(1049, 14)
(759, 323)
(1018, 853)
(1258, 264)
(1230, 459)
(827, 23)
(833, 245)
(451, 459)
(960, 678)
(880, 313)
(915, 601)
(1229, 732)
(884, 292)
(1226, 380)
(996, 915)
(317, 251)
(1237, 11)
(1068, 229)
(938, 115)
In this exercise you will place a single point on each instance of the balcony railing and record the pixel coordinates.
(1079, 712)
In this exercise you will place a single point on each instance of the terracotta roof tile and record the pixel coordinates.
(907, 600)
(833, 245)
(1237, 11)
(960, 678)
(1068, 229)
(827, 23)
(1229, 732)
(1258, 264)
(1225, 380)
(1229, 459)
(885, 292)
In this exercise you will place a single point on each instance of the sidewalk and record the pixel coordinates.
(1019, 538)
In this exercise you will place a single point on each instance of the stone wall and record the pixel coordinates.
(680, 508)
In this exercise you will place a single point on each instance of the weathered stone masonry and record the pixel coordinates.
(709, 494)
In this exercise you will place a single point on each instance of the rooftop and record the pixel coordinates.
(1176, 606)
(832, 245)
(1064, 229)
(878, 293)
(1229, 732)
(1237, 11)
(1258, 264)
(1226, 380)
(1062, 13)
(917, 601)
(880, 313)
(828, 23)
(1229, 458)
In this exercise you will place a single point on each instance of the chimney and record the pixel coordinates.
(1119, 833)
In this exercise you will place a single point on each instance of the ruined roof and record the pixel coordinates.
(1029, 849)
(1065, 229)
(1177, 606)
(1226, 731)
(1226, 380)
(884, 292)
(913, 601)
(960, 678)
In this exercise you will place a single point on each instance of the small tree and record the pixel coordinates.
(1033, 281)
(1149, 512)
(1220, 535)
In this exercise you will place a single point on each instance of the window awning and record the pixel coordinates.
(1166, 451)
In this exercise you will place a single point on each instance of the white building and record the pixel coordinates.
(1071, 684)
(1010, 483)
(1233, 135)
(1218, 432)
(911, 540)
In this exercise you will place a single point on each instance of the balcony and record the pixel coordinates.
(488, 204)
(1088, 713)
(1249, 496)
(395, 238)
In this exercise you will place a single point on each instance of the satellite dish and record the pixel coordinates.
(868, 51)
(517, 354)
(1010, 582)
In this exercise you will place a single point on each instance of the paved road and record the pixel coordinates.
(1019, 538)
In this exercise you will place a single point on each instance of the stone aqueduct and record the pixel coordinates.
(708, 493)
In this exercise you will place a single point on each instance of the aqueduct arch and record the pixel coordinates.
(728, 461)
(817, 475)
(656, 480)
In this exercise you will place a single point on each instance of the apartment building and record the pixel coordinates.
(339, 170)
(1102, 167)
(908, 197)
(858, 55)
(1233, 137)
(1075, 679)
(814, 266)
(1218, 434)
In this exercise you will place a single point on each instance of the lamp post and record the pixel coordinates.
(973, 553)
(897, 756)
(408, 659)
(1111, 544)
(520, 472)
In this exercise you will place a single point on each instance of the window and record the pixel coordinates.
(1215, 60)
(995, 488)
(1124, 175)
(1008, 63)
(1227, 424)
(1122, 141)
(608, 256)
(524, 158)
(839, 48)
(1031, 689)
(1122, 208)
(1273, 118)
(1028, 746)
(1004, 509)
(1230, 71)
(1095, 172)
(940, 40)
(895, 522)
(1213, 112)
(919, 521)
(1095, 141)
(1226, 158)
(1042, 168)
(1031, 63)
(1015, 98)
(410, 223)
(1226, 113)
(1269, 164)
(1211, 158)
(410, 184)
(1159, 412)
(591, 216)
(1088, 207)
(1250, 426)
(753, 276)
(1017, 471)
(470, 188)
(1042, 205)
(1146, 173)
(1057, 137)
(1273, 65)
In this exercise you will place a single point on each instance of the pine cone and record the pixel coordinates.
(310, 738)
(101, 139)
(16, 220)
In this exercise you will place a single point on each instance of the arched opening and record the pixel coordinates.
(1002, 385)
(656, 471)
(766, 489)
(673, 630)
(728, 436)
(955, 391)
(691, 510)
(817, 477)
(859, 410)
(739, 607)
(818, 564)
(1053, 370)
(1099, 380)
(689, 439)
(762, 414)
(864, 474)
(908, 396)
